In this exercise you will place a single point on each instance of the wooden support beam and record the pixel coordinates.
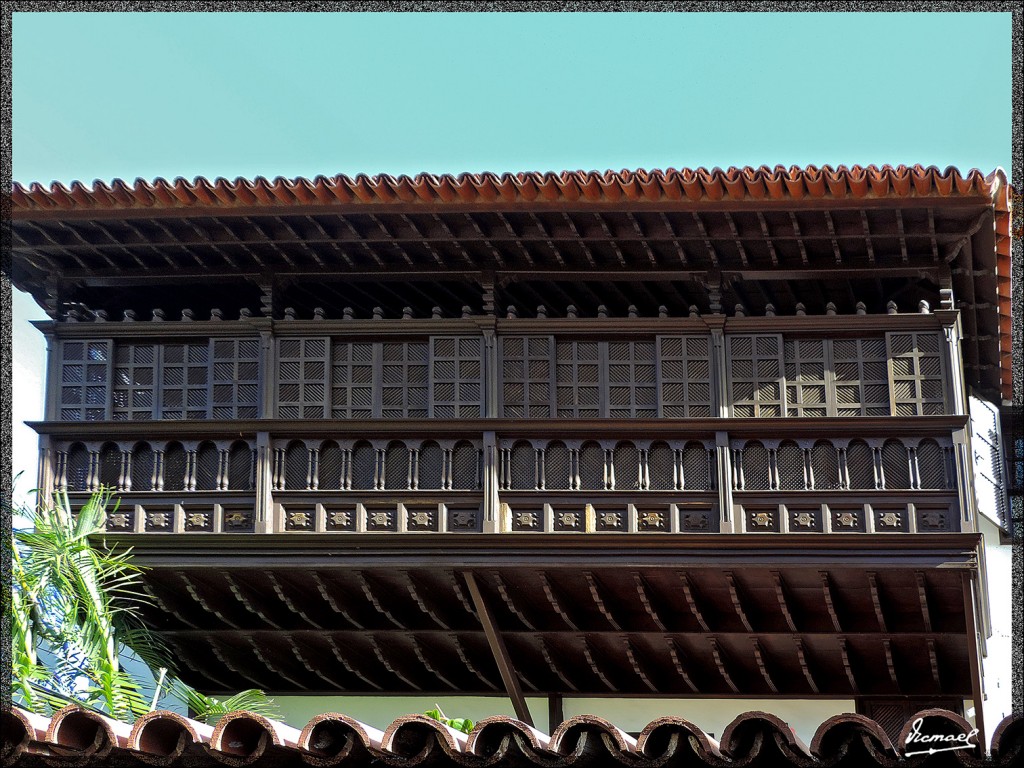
(876, 601)
(246, 601)
(185, 654)
(595, 594)
(922, 595)
(638, 669)
(848, 666)
(545, 652)
(642, 236)
(313, 665)
(799, 238)
(736, 239)
(424, 240)
(826, 588)
(902, 235)
(684, 579)
(645, 601)
(288, 602)
(368, 591)
(780, 595)
(429, 666)
(556, 714)
(495, 253)
(193, 590)
(977, 687)
(766, 233)
(164, 606)
(506, 596)
(225, 659)
(674, 237)
(342, 659)
(554, 602)
(460, 650)
(679, 663)
(610, 239)
(737, 605)
(867, 236)
(805, 667)
(378, 651)
(718, 656)
(933, 659)
(890, 663)
(712, 253)
(431, 611)
(324, 590)
(763, 667)
(546, 237)
(595, 668)
(498, 650)
(830, 225)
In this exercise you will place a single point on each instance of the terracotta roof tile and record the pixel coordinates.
(80, 737)
(698, 184)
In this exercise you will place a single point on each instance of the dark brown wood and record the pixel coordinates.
(556, 714)
(973, 654)
(498, 649)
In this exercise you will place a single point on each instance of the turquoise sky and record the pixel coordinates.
(129, 95)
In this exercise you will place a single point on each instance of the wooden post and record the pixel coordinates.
(498, 650)
(556, 713)
(975, 661)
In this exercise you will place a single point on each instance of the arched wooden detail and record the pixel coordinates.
(860, 466)
(465, 467)
(592, 470)
(661, 467)
(431, 467)
(77, 468)
(825, 466)
(557, 468)
(522, 459)
(789, 459)
(143, 473)
(696, 474)
(330, 465)
(364, 467)
(207, 468)
(111, 462)
(296, 466)
(240, 465)
(895, 465)
(175, 467)
(756, 468)
(396, 466)
(931, 466)
(626, 464)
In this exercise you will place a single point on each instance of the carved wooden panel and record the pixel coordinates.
(806, 377)
(861, 378)
(134, 378)
(915, 368)
(755, 375)
(685, 376)
(578, 379)
(84, 380)
(184, 381)
(352, 380)
(404, 380)
(302, 377)
(632, 380)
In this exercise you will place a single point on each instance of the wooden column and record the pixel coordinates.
(973, 656)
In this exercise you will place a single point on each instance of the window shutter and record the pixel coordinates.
(756, 376)
(685, 382)
(235, 380)
(404, 381)
(302, 378)
(915, 369)
(134, 381)
(526, 386)
(352, 380)
(806, 389)
(85, 380)
(861, 378)
(632, 383)
(578, 379)
(456, 377)
(184, 381)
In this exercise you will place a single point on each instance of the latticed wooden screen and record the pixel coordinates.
(526, 380)
(84, 380)
(632, 380)
(184, 380)
(134, 380)
(302, 371)
(755, 375)
(405, 385)
(578, 379)
(915, 365)
(685, 382)
(806, 377)
(861, 378)
(352, 380)
(235, 380)
(456, 377)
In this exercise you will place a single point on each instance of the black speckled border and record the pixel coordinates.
(1017, 173)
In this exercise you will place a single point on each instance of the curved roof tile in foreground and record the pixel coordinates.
(75, 736)
(697, 184)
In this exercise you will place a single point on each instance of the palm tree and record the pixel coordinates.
(80, 599)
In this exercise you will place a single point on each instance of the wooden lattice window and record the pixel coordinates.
(860, 466)
(825, 466)
(756, 376)
(240, 467)
(330, 466)
(77, 467)
(465, 467)
(685, 382)
(431, 467)
(789, 460)
(363, 467)
(557, 467)
(592, 470)
(806, 386)
(110, 466)
(915, 366)
(207, 467)
(578, 379)
(932, 469)
(85, 380)
(143, 466)
(456, 377)
(302, 368)
(175, 466)
(661, 467)
(404, 380)
(696, 469)
(296, 466)
(134, 381)
(352, 380)
(756, 467)
(632, 380)
(526, 367)
(895, 465)
(522, 470)
(861, 378)
(396, 467)
(626, 463)
(235, 380)
(184, 381)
